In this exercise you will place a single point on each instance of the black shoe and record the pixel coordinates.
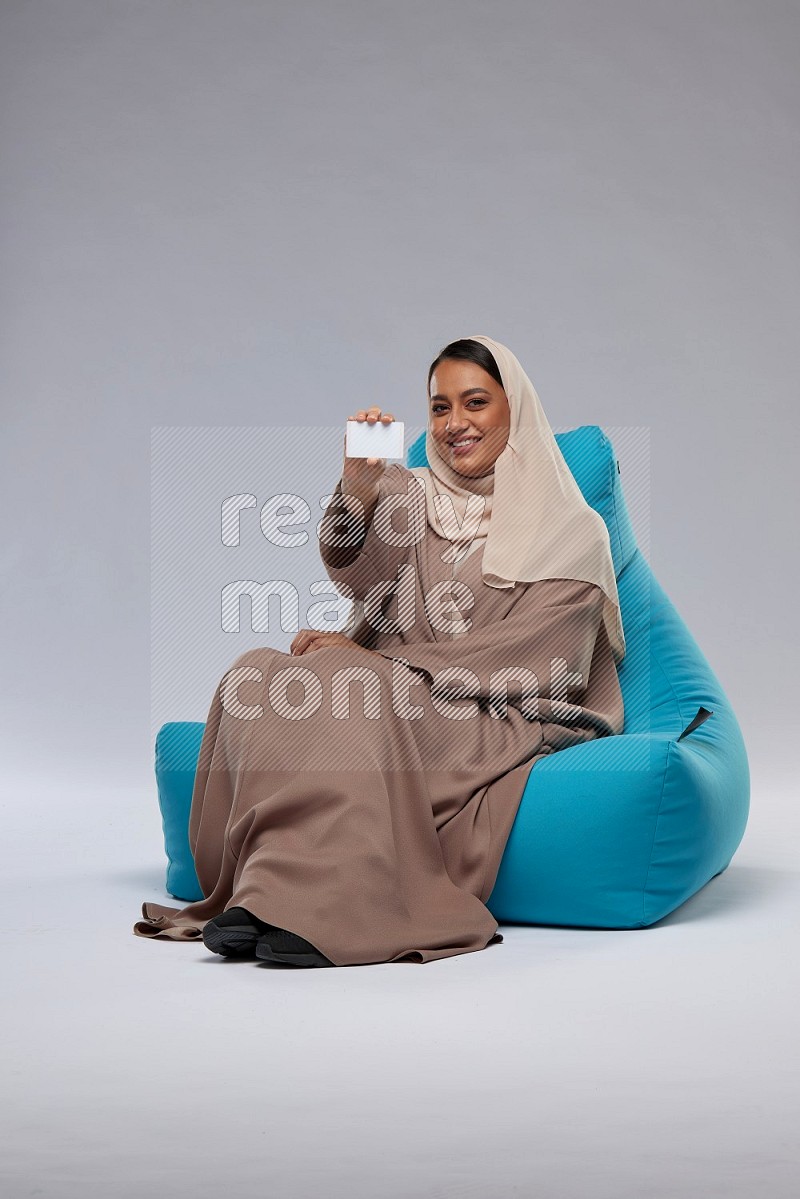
(279, 945)
(234, 933)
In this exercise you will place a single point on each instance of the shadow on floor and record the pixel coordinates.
(151, 877)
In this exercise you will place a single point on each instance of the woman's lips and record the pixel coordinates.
(461, 450)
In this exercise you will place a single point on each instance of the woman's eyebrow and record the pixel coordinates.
(469, 392)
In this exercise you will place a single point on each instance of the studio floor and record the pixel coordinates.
(562, 1063)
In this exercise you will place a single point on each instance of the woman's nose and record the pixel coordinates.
(454, 423)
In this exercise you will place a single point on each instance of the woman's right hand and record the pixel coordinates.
(362, 476)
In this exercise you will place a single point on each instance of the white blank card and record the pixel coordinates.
(375, 441)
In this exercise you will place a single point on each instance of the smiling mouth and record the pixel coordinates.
(463, 443)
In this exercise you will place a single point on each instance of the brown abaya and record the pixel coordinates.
(376, 832)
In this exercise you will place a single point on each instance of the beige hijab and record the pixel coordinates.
(535, 523)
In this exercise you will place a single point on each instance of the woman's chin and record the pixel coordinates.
(472, 470)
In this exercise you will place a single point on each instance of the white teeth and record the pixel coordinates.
(468, 441)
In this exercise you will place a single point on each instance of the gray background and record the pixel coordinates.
(229, 213)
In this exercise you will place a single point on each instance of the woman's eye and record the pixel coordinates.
(437, 408)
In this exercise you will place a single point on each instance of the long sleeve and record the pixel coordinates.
(377, 559)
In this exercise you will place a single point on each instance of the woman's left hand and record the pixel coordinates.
(311, 639)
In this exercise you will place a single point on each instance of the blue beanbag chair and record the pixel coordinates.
(614, 833)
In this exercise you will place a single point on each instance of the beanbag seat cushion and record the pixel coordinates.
(614, 833)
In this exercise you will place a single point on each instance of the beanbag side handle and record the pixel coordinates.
(702, 715)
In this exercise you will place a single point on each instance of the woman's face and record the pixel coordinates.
(467, 405)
